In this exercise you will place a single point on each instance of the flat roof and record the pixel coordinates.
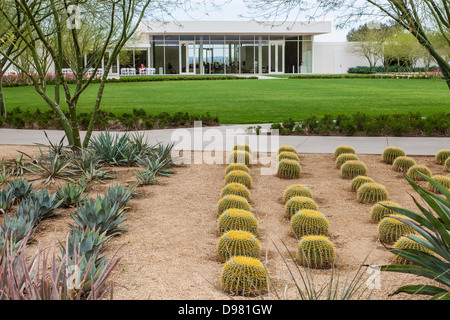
(236, 27)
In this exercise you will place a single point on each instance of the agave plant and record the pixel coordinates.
(4, 175)
(52, 166)
(115, 149)
(99, 215)
(146, 177)
(160, 166)
(56, 148)
(6, 199)
(432, 225)
(17, 167)
(20, 188)
(46, 202)
(18, 227)
(119, 194)
(70, 194)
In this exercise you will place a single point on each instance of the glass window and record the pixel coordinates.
(172, 58)
(306, 57)
(158, 39)
(306, 38)
(232, 38)
(187, 38)
(217, 58)
(247, 38)
(217, 39)
(158, 58)
(248, 58)
(291, 38)
(171, 39)
(276, 37)
(291, 57)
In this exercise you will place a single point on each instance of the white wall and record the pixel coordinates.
(335, 58)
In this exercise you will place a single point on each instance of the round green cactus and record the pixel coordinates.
(379, 212)
(237, 219)
(403, 163)
(343, 158)
(352, 169)
(288, 155)
(238, 243)
(232, 201)
(316, 252)
(242, 157)
(295, 204)
(371, 192)
(391, 229)
(405, 243)
(244, 276)
(443, 180)
(447, 164)
(287, 149)
(242, 147)
(288, 169)
(296, 190)
(237, 189)
(309, 222)
(343, 149)
(239, 176)
(442, 156)
(391, 153)
(358, 181)
(236, 166)
(412, 172)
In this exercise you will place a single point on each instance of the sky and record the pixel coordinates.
(233, 10)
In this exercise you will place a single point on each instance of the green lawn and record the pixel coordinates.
(258, 101)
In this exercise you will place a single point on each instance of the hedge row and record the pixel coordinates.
(361, 76)
(369, 70)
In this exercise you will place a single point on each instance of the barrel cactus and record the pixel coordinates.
(309, 222)
(232, 201)
(287, 149)
(391, 229)
(405, 243)
(343, 158)
(316, 252)
(379, 211)
(447, 164)
(412, 172)
(237, 189)
(242, 147)
(295, 204)
(239, 176)
(244, 276)
(403, 163)
(352, 169)
(343, 149)
(442, 156)
(296, 190)
(371, 192)
(391, 153)
(358, 181)
(288, 169)
(237, 166)
(237, 219)
(288, 155)
(238, 243)
(242, 157)
(443, 180)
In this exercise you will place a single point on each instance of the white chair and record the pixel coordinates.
(143, 71)
(151, 70)
(124, 71)
(132, 72)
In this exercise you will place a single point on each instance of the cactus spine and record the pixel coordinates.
(379, 212)
(371, 192)
(343, 158)
(358, 181)
(343, 149)
(403, 163)
(309, 222)
(238, 243)
(236, 189)
(296, 190)
(316, 252)
(412, 172)
(447, 164)
(236, 166)
(352, 169)
(390, 229)
(287, 149)
(391, 153)
(232, 201)
(237, 219)
(288, 155)
(299, 203)
(288, 169)
(442, 156)
(239, 176)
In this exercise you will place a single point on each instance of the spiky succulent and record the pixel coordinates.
(20, 188)
(316, 252)
(288, 155)
(403, 163)
(242, 157)
(405, 243)
(237, 189)
(443, 180)
(232, 202)
(447, 164)
(6, 199)
(343, 158)
(371, 193)
(412, 172)
(343, 149)
(237, 219)
(46, 202)
(352, 169)
(391, 153)
(379, 211)
(239, 176)
(391, 229)
(295, 204)
(309, 222)
(358, 181)
(238, 243)
(70, 194)
(288, 169)
(287, 149)
(236, 166)
(18, 227)
(119, 194)
(242, 147)
(442, 156)
(244, 276)
(296, 190)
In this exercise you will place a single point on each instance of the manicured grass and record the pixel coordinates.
(258, 101)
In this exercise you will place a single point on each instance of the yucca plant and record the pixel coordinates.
(70, 194)
(433, 224)
(20, 188)
(6, 200)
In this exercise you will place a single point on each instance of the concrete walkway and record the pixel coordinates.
(223, 138)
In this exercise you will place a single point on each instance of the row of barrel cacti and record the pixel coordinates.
(238, 246)
(310, 226)
(288, 163)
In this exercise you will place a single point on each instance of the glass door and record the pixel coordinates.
(187, 57)
(276, 57)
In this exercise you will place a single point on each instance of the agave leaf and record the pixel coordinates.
(420, 289)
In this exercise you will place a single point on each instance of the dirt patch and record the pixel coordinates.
(169, 250)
